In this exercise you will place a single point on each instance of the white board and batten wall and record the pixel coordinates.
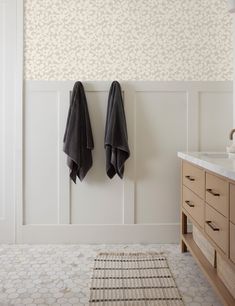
(162, 118)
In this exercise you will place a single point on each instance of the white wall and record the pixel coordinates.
(162, 117)
(8, 64)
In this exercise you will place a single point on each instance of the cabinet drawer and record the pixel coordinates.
(232, 203)
(217, 193)
(232, 242)
(216, 226)
(194, 178)
(193, 205)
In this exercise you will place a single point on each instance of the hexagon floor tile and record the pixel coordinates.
(60, 274)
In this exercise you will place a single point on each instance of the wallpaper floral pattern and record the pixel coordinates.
(128, 40)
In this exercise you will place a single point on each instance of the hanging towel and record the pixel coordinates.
(116, 140)
(78, 139)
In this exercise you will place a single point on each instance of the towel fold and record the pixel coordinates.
(116, 139)
(78, 138)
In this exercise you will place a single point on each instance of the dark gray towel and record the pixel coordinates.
(116, 140)
(78, 139)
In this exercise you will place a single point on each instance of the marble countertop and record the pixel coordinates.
(218, 162)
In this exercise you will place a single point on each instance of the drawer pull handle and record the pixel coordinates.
(189, 178)
(213, 193)
(213, 226)
(190, 204)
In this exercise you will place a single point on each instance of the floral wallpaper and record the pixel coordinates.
(127, 40)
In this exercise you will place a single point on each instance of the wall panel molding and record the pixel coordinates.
(11, 41)
(215, 110)
(2, 105)
(64, 209)
(161, 130)
(138, 233)
(8, 100)
(177, 100)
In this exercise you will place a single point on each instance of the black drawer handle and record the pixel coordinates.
(190, 204)
(215, 194)
(213, 226)
(189, 178)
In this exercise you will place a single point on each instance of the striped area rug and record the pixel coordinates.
(123, 279)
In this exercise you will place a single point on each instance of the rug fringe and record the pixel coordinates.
(131, 253)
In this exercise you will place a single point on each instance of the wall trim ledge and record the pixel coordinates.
(127, 233)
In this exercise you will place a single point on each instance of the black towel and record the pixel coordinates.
(116, 140)
(78, 139)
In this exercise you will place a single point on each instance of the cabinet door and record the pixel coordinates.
(217, 193)
(194, 179)
(216, 227)
(232, 242)
(193, 205)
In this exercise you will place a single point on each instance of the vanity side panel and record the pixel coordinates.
(226, 274)
(204, 245)
(232, 242)
(232, 203)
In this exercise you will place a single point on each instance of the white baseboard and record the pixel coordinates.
(64, 234)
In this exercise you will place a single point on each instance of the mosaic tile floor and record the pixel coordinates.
(60, 274)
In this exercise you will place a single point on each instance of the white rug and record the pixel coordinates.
(123, 279)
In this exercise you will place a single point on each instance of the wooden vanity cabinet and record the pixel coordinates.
(208, 201)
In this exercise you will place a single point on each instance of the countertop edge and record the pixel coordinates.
(213, 167)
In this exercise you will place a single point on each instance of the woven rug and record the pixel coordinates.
(133, 279)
